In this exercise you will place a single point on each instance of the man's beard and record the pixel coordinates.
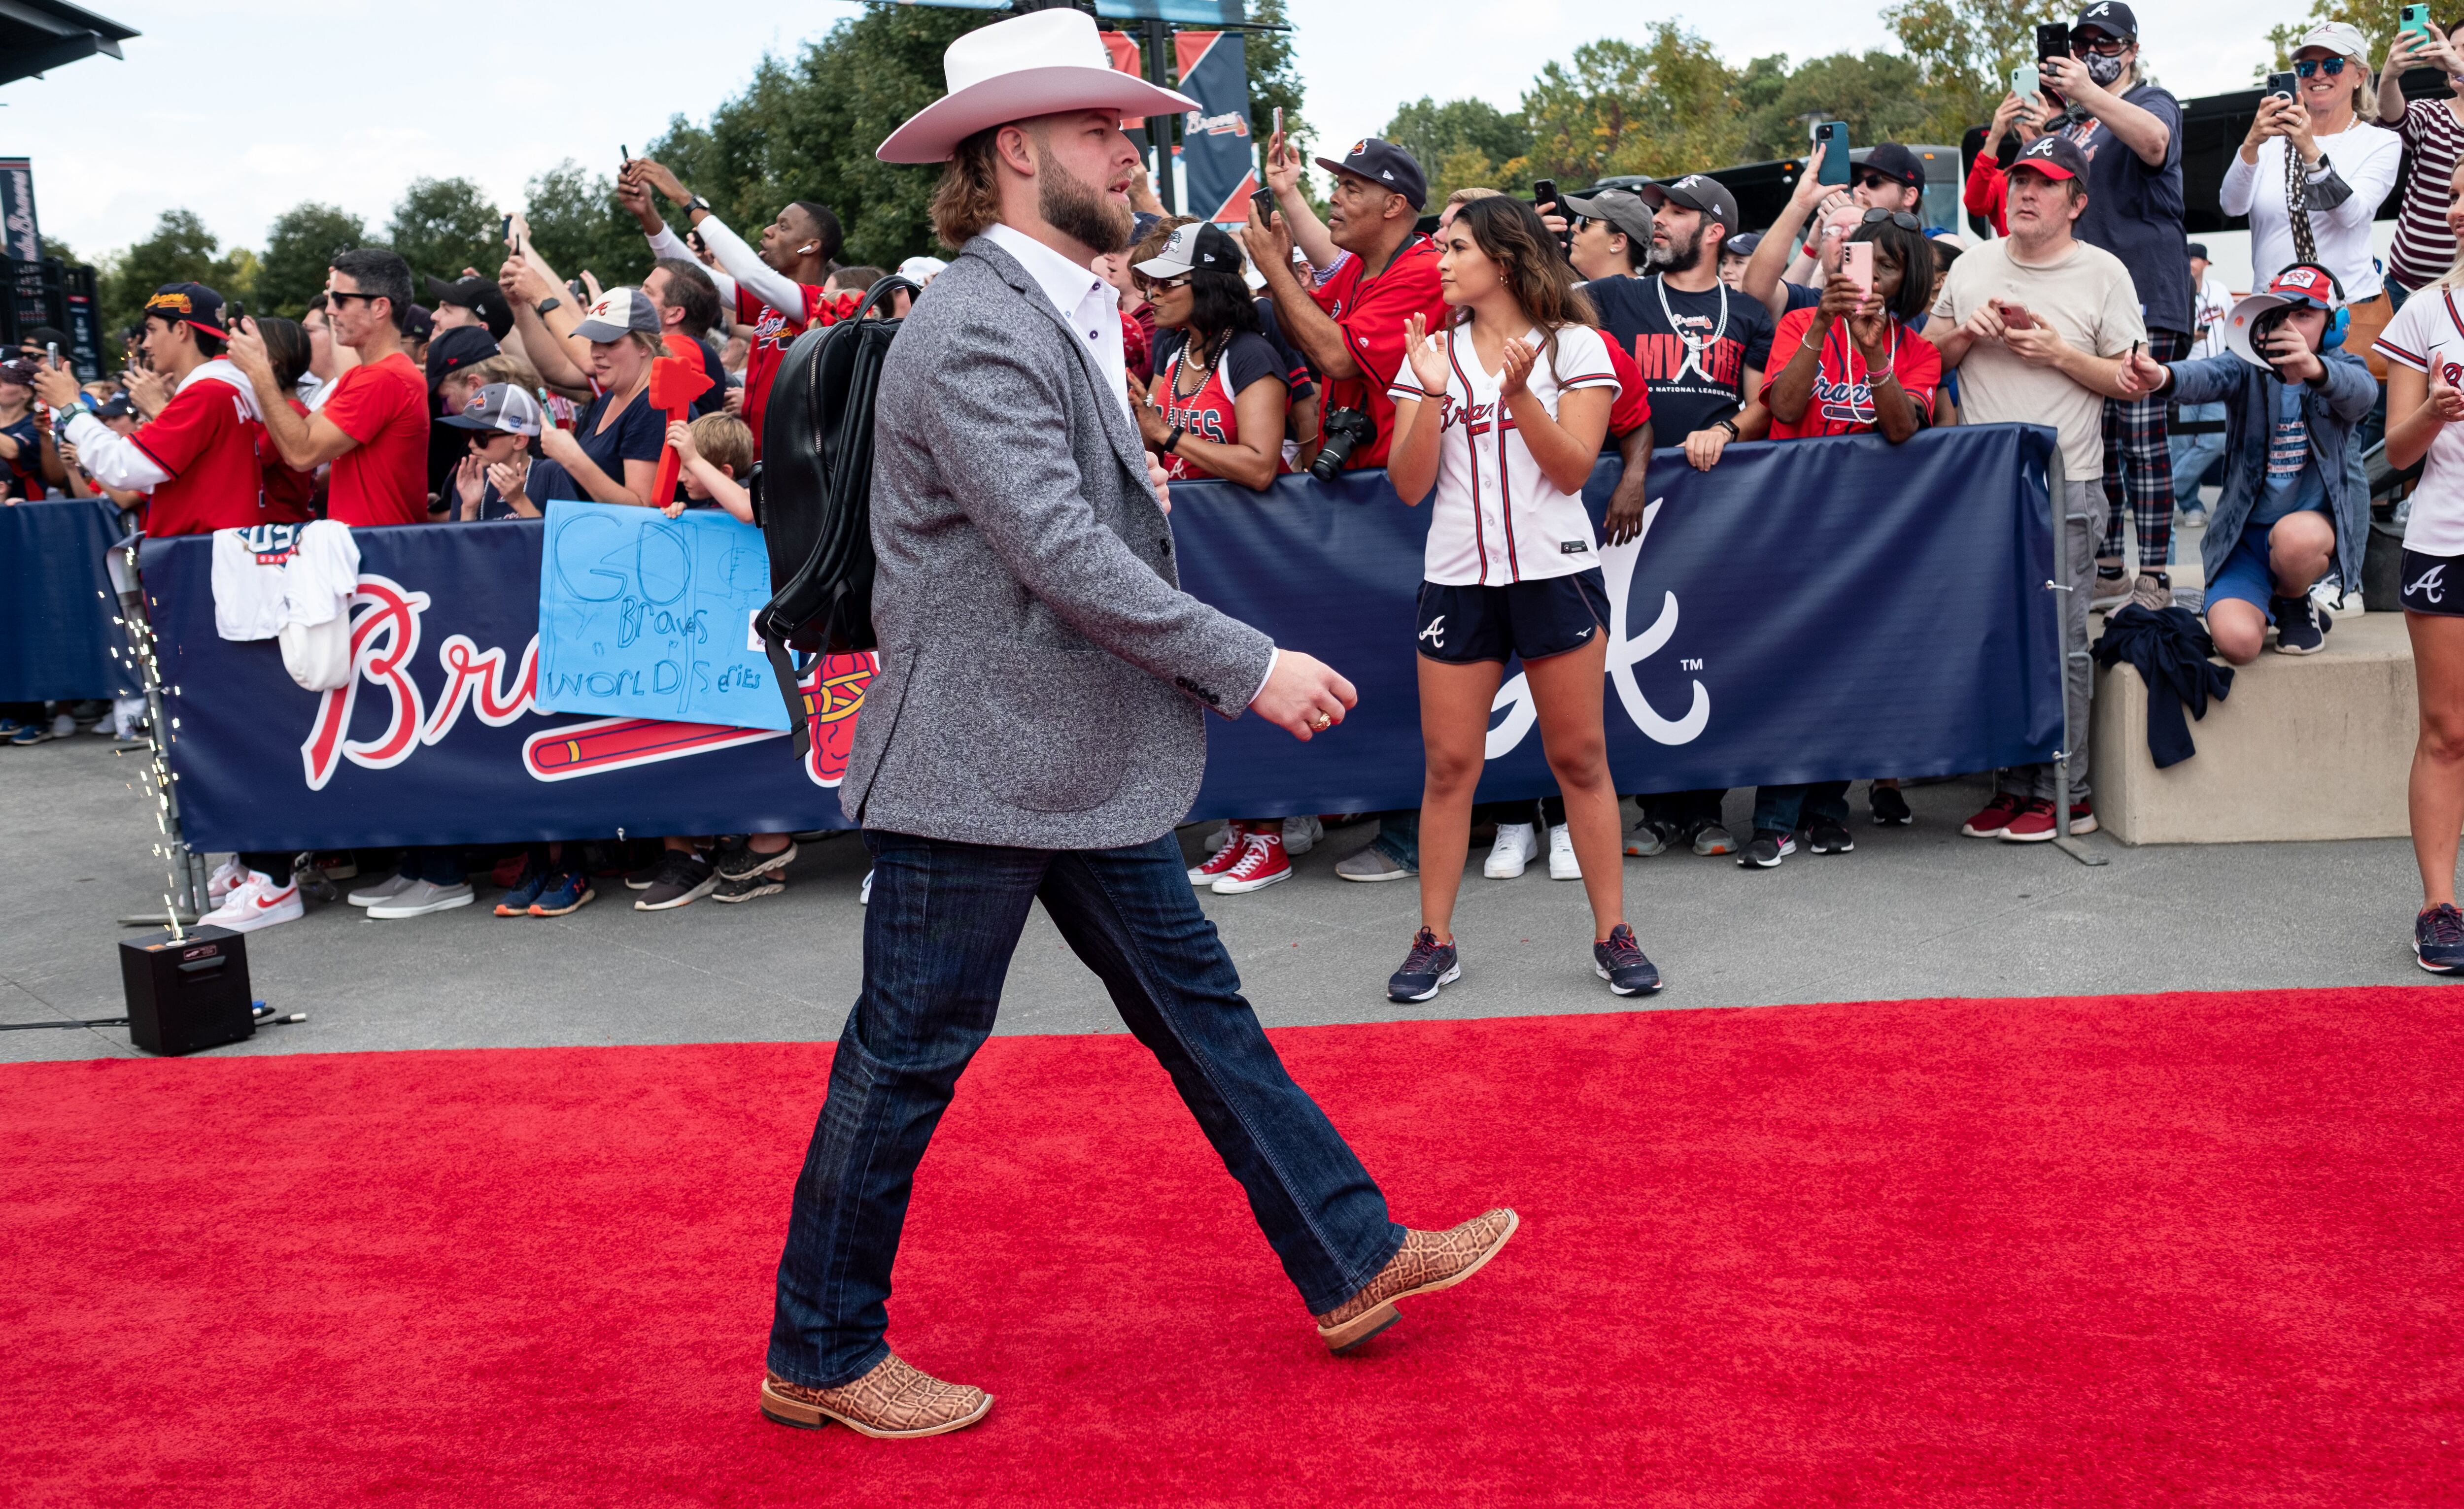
(1676, 258)
(1078, 209)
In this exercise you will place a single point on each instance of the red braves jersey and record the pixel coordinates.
(205, 441)
(1209, 413)
(1842, 403)
(772, 334)
(1372, 319)
(1498, 519)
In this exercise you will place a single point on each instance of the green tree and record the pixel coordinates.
(2376, 20)
(1463, 143)
(1965, 50)
(299, 246)
(1274, 79)
(179, 250)
(1666, 107)
(1880, 94)
(235, 275)
(576, 223)
(444, 224)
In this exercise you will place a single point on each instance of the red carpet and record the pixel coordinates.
(2157, 1250)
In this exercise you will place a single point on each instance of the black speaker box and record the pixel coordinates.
(188, 993)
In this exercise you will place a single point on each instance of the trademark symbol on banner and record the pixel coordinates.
(1689, 665)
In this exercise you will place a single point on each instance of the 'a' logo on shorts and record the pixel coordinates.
(1436, 632)
(2431, 586)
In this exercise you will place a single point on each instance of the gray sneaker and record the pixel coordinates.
(742, 861)
(1645, 841)
(419, 898)
(765, 882)
(1375, 863)
(683, 879)
(2150, 592)
(384, 890)
(2111, 592)
(1712, 839)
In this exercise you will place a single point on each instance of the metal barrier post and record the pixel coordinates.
(188, 899)
(2056, 489)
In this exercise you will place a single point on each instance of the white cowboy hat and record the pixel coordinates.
(1038, 64)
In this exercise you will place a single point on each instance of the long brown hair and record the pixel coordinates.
(1511, 234)
(967, 201)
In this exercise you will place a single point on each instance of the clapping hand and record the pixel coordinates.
(1514, 368)
(1426, 354)
(509, 476)
(471, 483)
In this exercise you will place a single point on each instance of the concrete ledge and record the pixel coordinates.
(2307, 747)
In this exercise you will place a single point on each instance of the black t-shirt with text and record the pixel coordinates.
(1693, 366)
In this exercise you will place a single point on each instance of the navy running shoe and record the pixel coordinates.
(1429, 964)
(2437, 939)
(1620, 962)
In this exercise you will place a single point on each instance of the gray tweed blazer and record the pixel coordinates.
(1043, 676)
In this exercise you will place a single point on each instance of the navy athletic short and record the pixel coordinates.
(1534, 619)
(2431, 585)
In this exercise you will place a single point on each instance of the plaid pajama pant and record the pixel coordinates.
(2139, 465)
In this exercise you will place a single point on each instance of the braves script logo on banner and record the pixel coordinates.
(1618, 562)
(385, 647)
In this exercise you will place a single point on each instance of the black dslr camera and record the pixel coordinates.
(1343, 431)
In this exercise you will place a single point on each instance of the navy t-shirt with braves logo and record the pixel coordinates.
(1694, 367)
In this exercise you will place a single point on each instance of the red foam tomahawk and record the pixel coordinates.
(676, 380)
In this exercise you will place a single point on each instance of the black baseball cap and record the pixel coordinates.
(192, 304)
(1385, 164)
(2199, 249)
(2056, 156)
(462, 346)
(1696, 191)
(480, 296)
(1891, 160)
(2111, 17)
(1194, 246)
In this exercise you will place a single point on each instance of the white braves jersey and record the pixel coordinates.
(1498, 519)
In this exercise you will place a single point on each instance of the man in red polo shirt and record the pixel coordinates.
(373, 429)
(198, 456)
(1376, 273)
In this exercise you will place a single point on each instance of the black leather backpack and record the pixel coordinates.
(812, 496)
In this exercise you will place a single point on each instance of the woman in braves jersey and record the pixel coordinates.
(1502, 414)
(1215, 409)
(2424, 347)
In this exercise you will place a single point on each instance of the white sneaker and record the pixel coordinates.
(384, 890)
(1516, 846)
(255, 902)
(62, 726)
(1216, 842)
(227, 874)
(1302, 833)
(1561, 854)
(419, 898)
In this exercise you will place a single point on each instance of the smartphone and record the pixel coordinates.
(53, 348)
(2016, 316)
(1544, 194)
(1857, 264)
(1263, 200)
(2026, 82)
(624, 157)
(1279, 120)
(2281, 86)
(1833, 136)
(505, 231)
(233, 312)
(2053, 40)
(2417, 20)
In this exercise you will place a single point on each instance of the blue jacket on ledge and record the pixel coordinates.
(2332, 406)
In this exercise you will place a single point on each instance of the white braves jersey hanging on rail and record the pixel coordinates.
(1497, 518)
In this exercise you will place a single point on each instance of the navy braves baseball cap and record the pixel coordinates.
(190, 304)
(2111, 17)
(1696, 191)
(1893, 161)
(1194, 246)
(500, 407)
(2057, 157)
(1385, 164)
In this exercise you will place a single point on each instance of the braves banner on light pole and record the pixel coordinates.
(1810, 610)
(1217, 153)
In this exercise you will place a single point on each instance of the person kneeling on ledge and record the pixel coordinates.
(2289, 510)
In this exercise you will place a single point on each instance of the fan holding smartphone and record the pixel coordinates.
(2432, 131)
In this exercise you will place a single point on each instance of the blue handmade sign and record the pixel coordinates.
(651, 616)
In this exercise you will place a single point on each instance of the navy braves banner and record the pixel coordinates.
(1811, 610)
(1216, 152)
(59, 632)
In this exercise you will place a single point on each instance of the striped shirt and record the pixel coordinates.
(2425, 248)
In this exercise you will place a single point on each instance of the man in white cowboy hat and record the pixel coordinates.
(1036, 730)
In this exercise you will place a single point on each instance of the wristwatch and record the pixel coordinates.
(697, 202)
(1728, 424)
(541, 308)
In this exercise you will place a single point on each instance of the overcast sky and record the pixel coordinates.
(238, 109)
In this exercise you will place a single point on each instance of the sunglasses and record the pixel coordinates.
(1878, 181)
(2308, 67)
(2101, 45)
(338, 296)
(1156, 285)
(1898, 217)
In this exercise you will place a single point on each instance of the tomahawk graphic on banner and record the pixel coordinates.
(1217, 152)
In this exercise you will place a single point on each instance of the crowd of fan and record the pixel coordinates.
(1283, 346)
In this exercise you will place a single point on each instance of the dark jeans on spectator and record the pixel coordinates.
(1552, 811)
(944, 920)
(437, 866)
(1779, 809)
(1682, 811)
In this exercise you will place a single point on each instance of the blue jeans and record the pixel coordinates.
(937, 939)
(1778, 809)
